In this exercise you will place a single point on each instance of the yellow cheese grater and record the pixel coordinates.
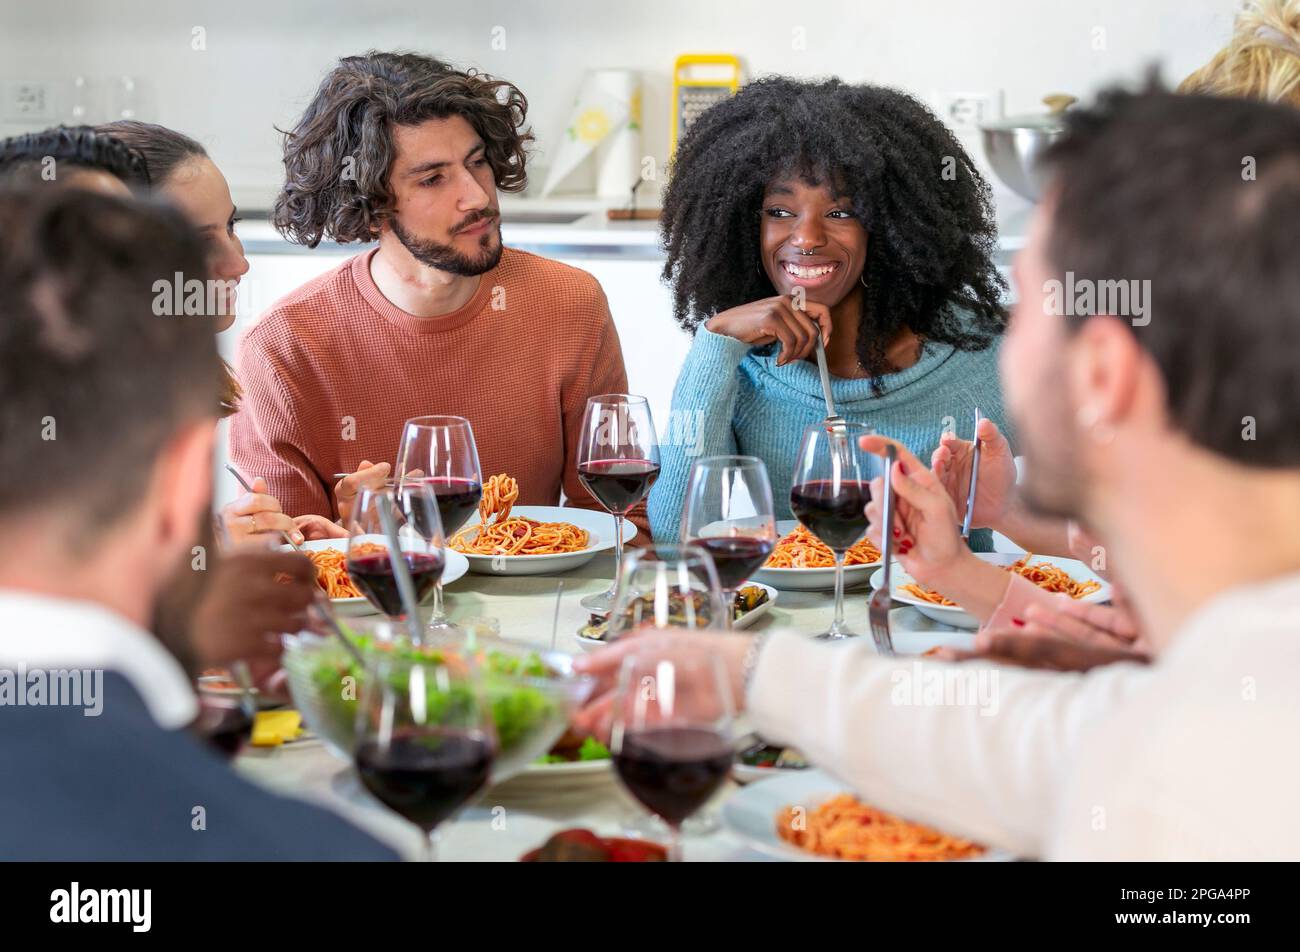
(699, 81)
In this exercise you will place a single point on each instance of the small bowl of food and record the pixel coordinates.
(756, 759)
(752, 602)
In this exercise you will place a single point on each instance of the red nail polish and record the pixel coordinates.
(902, 467)
(1018, 623)
(897, 533)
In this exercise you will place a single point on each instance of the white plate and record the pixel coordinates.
(744, 621)
(577, 768)
(956, 617)
(746, 774)
(751, 813)
(456, 566)
(812, 580)
(599, 525)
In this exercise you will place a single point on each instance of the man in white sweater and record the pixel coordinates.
(1151, 369)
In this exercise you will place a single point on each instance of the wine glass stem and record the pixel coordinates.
(728, 609)
(838, 623)
(675, 843)
(430, 847)
(618, 550)
(438, 614)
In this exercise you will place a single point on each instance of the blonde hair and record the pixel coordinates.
(1261, 61)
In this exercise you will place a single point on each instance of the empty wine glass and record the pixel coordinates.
(666, 586)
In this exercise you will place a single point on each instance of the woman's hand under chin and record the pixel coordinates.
(773, 320)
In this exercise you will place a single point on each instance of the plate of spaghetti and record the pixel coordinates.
(330, 558)
(803, 563)
(1065, 576)
(505, 539)
(806, 815)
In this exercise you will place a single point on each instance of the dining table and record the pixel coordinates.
(519, 814)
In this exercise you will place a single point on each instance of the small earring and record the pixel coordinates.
(863, 278)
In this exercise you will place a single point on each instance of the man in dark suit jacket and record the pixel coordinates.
(107, 422)
(119, 787)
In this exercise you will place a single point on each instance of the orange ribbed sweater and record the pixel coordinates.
(333, 370)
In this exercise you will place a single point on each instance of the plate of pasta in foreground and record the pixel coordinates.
(1067, 576)
(330, 558)
(808, 816)
(803, 563)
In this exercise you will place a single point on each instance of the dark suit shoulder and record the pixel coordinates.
(119, 787)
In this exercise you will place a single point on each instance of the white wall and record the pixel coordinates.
(263, 59)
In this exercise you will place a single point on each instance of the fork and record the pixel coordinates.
(834, 422)
(882, 598)
(974, 478)
(324, 609)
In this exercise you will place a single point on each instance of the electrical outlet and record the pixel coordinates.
(27, 100)
(965, 111)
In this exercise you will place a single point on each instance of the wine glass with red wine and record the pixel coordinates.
(618, 462)
(425, 740)
(440, 451)
(832, 486)
(673, 735)
(728, 513)
(413, 509)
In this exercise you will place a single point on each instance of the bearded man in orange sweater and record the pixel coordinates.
(440, 317)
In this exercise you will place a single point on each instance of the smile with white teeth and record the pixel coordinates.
(807, 273)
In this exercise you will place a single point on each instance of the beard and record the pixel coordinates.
(1053, 484)
(446, 257)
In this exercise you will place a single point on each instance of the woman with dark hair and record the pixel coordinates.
(805, 209)
(77, 156)
(178, 168)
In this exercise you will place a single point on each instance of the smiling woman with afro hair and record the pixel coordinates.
(801, 209)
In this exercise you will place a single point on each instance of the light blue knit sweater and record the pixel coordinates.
(729, 399)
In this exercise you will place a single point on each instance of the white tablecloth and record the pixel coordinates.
(512, 818)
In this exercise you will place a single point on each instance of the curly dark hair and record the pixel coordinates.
(80, 147)
(352, 116)
(931, 235)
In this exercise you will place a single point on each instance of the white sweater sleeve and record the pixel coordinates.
(975, 749)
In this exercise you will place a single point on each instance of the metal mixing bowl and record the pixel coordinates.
(1015, 144)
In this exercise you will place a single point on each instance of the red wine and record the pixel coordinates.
(618, 484)
(425, 775)
(373, 575)
(836, 514)
(673, 770)
(225, 727)
(736, 557)
(457, 500)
